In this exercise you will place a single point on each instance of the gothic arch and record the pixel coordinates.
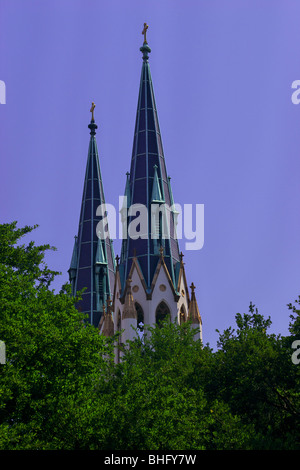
(140, 316)
(162, 312)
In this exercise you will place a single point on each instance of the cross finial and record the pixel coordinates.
(144, 32)
(117, 259)
(181, 255)
(193, 287)
(145, 49)
(92, 110)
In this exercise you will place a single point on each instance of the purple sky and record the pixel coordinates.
(222, 72)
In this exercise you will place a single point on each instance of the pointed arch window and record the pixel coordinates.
(162, 313)
(140, 317)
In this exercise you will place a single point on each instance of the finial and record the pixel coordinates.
(129, 307)
(109, 303)
(144, 32)
(192, 286)
(92, 124)
(181, 255)
(161, 251)
(117, 259)
(145, 48)
(92, 110)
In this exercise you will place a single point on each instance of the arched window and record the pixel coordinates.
(182, 315)
(162, 313)
(140, 316)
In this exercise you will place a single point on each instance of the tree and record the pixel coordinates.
(156, 406)
(60, 387)
(253, 374)
(55, 361)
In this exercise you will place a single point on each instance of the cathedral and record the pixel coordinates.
(147, 282)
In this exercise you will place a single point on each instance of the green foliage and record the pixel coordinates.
(255, 376)
(60, 387)
(159, 409)
(53, 359)
(294, 326)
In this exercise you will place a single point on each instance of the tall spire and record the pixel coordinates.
(92, 266)
(149, 183)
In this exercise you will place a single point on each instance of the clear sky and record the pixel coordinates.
(222, 72)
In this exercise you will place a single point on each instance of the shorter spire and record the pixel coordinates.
(93, 126)
(194, 315)
(129, 307)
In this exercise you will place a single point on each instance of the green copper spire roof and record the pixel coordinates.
(148, 183)
(93, 264)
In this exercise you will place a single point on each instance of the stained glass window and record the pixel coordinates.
(162, 313)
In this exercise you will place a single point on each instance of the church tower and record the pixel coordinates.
(150, 274)
(93, 261)
(147, 284)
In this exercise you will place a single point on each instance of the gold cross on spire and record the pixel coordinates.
(92, 110)
(144, 32)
